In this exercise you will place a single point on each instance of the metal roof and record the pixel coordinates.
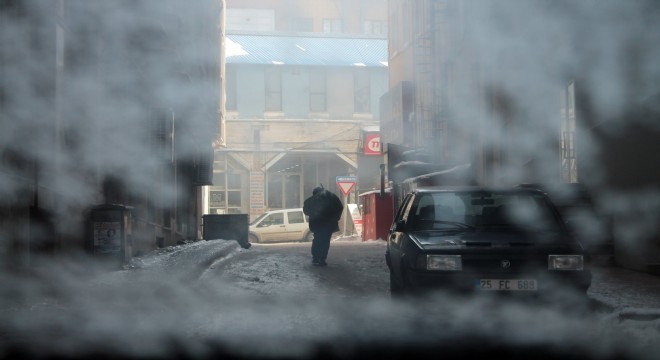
(297, 50)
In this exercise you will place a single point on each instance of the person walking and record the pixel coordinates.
(324, 210)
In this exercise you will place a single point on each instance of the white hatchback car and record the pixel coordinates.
(280, 226)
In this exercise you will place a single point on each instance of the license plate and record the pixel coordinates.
(506, 284)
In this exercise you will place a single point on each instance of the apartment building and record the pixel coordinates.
(302, 82)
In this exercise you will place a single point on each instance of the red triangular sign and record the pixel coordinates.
(345, 187)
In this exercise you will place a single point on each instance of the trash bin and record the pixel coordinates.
(227, 227)
(377, 215)
(109, 234)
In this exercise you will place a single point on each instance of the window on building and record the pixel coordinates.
(161, 135)
(231, 102)
(375, 27)
(250, 19)
(333, 25)
(284, 183)
(275, 191)
(273, 83)
(362, 91)
(317, 90)
(283, 190)
(568, 153)
(256, 137)
(302, 25)
(228, 195)
(292, 190)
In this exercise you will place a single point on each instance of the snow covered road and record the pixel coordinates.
(355, 269)
(212, 299)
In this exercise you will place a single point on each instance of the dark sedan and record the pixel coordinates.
(485, 240)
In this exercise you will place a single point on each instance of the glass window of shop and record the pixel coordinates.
(284, 184)
(229, 192)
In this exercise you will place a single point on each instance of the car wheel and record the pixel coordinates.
(309, 237)
(253, 238)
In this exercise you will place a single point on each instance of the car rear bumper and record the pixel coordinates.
(545, 281)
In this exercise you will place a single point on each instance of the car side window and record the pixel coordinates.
(422, 212)
(274, 219)
(400, 211)
(296, 217)
(405, 209)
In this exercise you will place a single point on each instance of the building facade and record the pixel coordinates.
(302, 81)
(104, 104)
(365, 17)
(294, 122)
(522, 94)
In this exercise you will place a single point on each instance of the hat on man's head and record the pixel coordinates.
(317, 189)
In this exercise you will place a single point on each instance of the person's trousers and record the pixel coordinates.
(321, 244)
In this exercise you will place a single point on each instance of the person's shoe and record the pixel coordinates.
(322, 263)
(316, 262)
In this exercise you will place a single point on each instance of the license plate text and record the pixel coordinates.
(506, 284)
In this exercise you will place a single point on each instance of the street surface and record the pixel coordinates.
(213, 299)
(355, 269)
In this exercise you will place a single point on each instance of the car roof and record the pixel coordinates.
(278, 210)
(435, 189)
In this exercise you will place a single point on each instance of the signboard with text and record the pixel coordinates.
(372, 144)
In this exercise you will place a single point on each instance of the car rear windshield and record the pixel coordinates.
(483, 210)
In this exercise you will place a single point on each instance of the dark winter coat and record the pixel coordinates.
(324, 210)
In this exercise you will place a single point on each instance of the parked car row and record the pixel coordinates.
(467, 239)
